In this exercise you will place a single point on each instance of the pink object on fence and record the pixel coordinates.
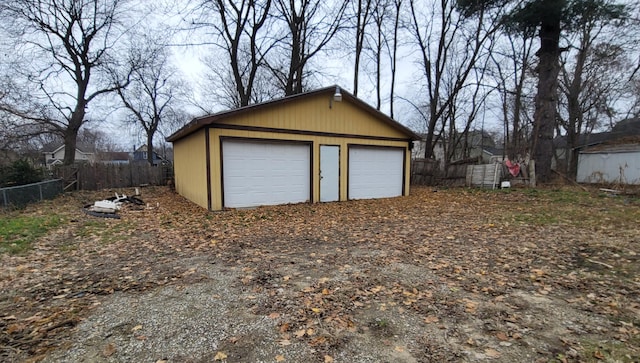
(514, 168)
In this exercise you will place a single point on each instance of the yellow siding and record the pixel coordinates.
(190, 168)
(314, 114)
(216, 175)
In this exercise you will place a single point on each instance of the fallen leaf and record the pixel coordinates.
(319, 340)
(492, 353)
(537, 271)
(471, 306)
(284, 342)
(220, 356)
(502, 336)
(279, 358)
(109, 349)
(274, 315)
(300, 333)
(399, 348)
(598, 355)
(136, 328)
(328, 359)
(16, 327)
(431, 319)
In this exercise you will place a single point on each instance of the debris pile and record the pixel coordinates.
(109, 207)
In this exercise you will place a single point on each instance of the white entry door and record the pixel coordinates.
(265, 173)
(375, 172)
(329, 173)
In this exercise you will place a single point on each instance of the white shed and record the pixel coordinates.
(610, 164)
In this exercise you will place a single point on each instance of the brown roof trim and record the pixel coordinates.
(305, 132)
(200, 122)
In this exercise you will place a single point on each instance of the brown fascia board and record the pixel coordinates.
(202, 121)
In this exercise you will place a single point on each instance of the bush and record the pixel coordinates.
(20, 172)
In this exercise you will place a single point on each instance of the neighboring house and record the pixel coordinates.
(479, 145)
(611, 162)
(319, 146)
(625, 128)
(114, 157)
(419, 147)
(141, 153)
(56, 157)
(489, 155)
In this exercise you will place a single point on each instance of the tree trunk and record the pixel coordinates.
(546, 98)
(428, 149)
(150, 148)
(394, 57)
(71, 133)
(576, 115)
(295, 63)
(70, 140)
(360, 32)
(378, 61)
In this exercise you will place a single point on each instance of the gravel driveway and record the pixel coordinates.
(428, 278)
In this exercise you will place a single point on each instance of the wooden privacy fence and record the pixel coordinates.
(470, 173)
(429, 172)
(423, 171)
(100, 176)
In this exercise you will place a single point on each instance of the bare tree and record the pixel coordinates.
(512, 68)
(548, 18)
(152, 93)
(362, 15)
(448, 47)
(592, 72)
(380, 14)
(309, 28)
(392, 46)
(219, 84)
(462, 114)
(68, 43)
(241, 32)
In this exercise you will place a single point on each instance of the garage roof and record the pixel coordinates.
(200, 122)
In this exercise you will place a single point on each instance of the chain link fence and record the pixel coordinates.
(20, 196)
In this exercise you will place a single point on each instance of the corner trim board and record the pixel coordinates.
(207, 146)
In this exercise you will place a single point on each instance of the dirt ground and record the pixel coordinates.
(458, 275)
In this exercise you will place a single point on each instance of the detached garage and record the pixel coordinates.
(610, 163)
(320, 146)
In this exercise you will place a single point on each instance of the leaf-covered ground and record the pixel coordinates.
(547, 275)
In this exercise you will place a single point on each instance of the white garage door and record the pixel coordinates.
(375, 172)
(262, 173)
